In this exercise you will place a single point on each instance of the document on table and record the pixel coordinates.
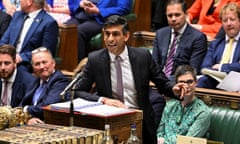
(89, 107)
(230, 82)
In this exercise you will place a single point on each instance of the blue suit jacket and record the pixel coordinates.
(214, 55)
(43, 32)
(191, 49)
(106, 8)
(51, 94)
(4, 22)
(20, 86)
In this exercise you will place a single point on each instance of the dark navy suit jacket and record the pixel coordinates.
(43, 32)
(144, 69)
(214, 56)
(20, 86)
(191, 49)
(51, 94)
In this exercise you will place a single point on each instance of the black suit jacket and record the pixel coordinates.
(4, 22)
(144, 69)
(20, 86)
(191, 49)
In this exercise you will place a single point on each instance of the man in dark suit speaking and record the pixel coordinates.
(122, 75)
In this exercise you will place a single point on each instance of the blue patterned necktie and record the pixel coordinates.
(38, 92)
(169, 63)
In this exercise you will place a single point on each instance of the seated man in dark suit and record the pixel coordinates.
(224, 53)
(188, 47)
(4, 22)
(29, 29)
(122, 74)
(14, 82)
(89, 16)
(46, 88)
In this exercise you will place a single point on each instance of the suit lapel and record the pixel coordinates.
(236, 57)
(33, 27)
(106, 71)
(183, 40)
(133, 58)
(17, 29)
(166, 42)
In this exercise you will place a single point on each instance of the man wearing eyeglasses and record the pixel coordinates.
(30, 28)
(190, 117)
(47, 87)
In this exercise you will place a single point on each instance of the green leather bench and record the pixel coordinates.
(225, 125)
(96, 41)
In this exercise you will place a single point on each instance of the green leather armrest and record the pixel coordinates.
(96, 42)
(225, 125)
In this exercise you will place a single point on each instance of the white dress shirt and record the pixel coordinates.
(129, 91)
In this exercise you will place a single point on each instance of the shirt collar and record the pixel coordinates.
(235, 38)
(181, 30)
(33, 14)
(12, 77)
(123, 55)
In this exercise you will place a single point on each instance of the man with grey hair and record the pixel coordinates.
(30, 28)
(46, 88)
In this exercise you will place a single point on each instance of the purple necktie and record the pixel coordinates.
(169, 63)
(5, 93)
(119, 78)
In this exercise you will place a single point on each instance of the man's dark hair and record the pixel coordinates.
(182, 2)
(8, 49)
(114, 20)
(185, 69)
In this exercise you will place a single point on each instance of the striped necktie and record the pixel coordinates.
(169, 63)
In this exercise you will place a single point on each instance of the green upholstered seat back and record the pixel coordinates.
(225, 125)
(96, 41)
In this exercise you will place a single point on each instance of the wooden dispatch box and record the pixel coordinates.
(120, 124)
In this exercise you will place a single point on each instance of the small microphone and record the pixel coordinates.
(70, 85)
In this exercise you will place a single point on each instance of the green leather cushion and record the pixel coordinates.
(225, 125)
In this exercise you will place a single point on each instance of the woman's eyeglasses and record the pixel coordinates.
(189, 82)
